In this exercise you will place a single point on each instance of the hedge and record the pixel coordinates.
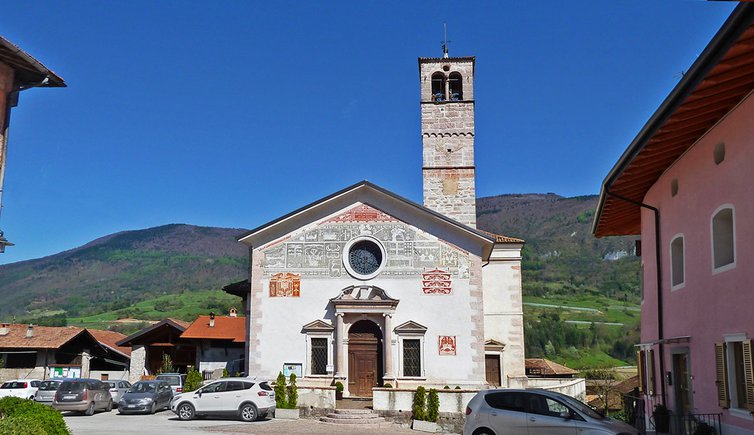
(26, 417)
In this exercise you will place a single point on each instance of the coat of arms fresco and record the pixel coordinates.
(285, 284)
(436, 282)
(447, 345)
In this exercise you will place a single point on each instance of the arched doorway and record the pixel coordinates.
(364, 358)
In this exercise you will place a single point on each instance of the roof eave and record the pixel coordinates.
(738, 21)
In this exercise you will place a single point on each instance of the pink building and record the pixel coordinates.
(686, 185)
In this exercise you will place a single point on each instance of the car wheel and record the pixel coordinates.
(248, 412)
(153, 408)
(109, 406)
(89, 409)
(186, 411)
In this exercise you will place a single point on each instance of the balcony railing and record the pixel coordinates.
(638, 412)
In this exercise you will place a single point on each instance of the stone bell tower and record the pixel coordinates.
(447, 107)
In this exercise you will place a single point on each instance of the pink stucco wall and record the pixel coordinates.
(710, 304)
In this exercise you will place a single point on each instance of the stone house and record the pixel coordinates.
(150, 345)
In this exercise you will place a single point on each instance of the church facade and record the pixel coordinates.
(368, 288)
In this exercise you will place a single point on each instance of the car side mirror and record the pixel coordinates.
(199, 393)
(566, 415)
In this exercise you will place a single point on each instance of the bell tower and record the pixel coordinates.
(447, 113)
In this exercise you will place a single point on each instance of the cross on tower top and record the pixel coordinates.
(445, 41)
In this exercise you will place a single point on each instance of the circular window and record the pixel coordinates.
(364, 257)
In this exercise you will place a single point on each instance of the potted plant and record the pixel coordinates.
(338, 390)
(425, 410)
(286, 398)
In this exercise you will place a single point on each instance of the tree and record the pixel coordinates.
(280, 391)
(604, 386)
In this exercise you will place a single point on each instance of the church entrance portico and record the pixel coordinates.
(364, 358)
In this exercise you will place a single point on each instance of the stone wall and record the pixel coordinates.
(316, 397)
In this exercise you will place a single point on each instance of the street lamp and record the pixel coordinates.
(3, 243)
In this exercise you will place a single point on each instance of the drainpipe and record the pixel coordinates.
(660, 329)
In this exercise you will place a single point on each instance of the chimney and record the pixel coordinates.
(30, 331)
(4, 329)
(233, 312)
(211, 319)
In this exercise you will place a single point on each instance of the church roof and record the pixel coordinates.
(384, 200)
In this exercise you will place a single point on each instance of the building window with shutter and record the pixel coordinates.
(646, 365)
(735, 373)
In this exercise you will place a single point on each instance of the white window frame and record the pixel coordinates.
(735, 408)
(682, 283)
(347, 262)
(731, 265)
(309, 363)
(422, 359)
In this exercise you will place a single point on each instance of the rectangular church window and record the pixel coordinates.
(411, 358)
(319, 356)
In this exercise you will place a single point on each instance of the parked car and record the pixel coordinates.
(23, 388)
(176, 380)
(246, 398)
(83, 395)
(146, 396)
(529, 412)
(46, 392)
(117, 389)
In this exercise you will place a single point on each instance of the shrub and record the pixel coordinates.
(280, 391)
(225, 373)
(25, 417)
(167, 364)
(193, 380)
(292, 393)
(339, 387)
(420, 404)
(388, 385)
(433, 405)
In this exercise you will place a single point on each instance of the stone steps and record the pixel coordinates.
(353, 416)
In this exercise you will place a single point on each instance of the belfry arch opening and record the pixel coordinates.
(438, 87)
(456, 86)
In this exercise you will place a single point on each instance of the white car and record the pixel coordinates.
(23, 388)
(246, 398)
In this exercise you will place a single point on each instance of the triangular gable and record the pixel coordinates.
(178, 326)
(410, 327)
(493, 345)
(390, 206)
(317, 326)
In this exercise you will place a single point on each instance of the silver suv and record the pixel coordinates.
(534, 412)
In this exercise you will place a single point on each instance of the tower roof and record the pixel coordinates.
(471, 59)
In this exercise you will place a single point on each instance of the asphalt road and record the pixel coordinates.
(167, 423)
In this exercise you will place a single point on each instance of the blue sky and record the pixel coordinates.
(234, 113)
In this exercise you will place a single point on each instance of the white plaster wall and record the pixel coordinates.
(316, 397)
(281, 339)
(113, 375)
(503, 308)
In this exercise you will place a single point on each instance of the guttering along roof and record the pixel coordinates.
(28, 71)
(720, 78)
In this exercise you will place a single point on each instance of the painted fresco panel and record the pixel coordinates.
(317, 251)
(446, 345)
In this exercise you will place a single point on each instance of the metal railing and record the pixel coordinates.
(638, 412)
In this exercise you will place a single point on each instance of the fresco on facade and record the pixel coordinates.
(317, 252)
(446, 345)
(436, 282)
(285, 285)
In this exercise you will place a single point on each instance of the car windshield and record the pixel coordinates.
(49, 385)
(142, 387)
(172, 380)
(14, 385)
(111, 384)
(72, 386)
(582, 407)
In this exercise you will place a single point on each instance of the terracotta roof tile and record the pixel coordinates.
(226, 328)
(503, 239)
(548, 367)
(44, 337)
(109, 339)
(180, 322)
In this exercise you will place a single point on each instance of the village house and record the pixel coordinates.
(369, 289)
(18, 71)
(219, 343)
(684, 185)
(43, 352)
(150, 345)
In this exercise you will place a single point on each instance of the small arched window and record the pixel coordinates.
(456, 86)
(438, 87)
(723, 239)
